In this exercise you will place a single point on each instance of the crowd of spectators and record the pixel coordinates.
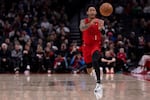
(34, 35)
(127, 32)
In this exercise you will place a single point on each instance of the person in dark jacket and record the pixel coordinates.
(108, 63)
(59, 63)
(5, 55)
(39, 60)
(27, 58)
(48, 59)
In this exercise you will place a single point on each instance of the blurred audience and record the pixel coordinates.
(34, 36)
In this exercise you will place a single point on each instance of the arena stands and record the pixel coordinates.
(34, 34)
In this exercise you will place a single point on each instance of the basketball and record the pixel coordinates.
(106, 9)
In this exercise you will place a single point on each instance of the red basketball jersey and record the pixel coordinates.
(92, 35)
(91, 41)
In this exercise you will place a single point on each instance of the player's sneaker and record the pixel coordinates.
(98, 91)
(28, 67)
(98, 87)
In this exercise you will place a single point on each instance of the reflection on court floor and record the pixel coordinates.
(72, 87)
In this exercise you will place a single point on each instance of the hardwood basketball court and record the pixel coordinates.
(71, 87)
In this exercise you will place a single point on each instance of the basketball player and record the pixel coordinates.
(91, 47)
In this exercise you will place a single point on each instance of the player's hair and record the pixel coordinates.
(90, 5)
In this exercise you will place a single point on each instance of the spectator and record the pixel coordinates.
(63, 49)
(106, 44)
(39, 63)
(27, 58)
(112, 53)
(146, 9)
(24, 38)
(77, 63)
(40, 42)
(108, 63)
(51, 46)
(61, 39)
(7, 28)
(143, 60)
(62, 29)
(109, 30)
(141, 67)
(121, 60)
(46, 24)
(59, 63)
(5, 56)
(119, 9)
(145, 56)
(16, 56)
(40, 32)
(48, 59)
(26, 29)
(9, 44)
(132, 42)
(140, 46)
(72, 50)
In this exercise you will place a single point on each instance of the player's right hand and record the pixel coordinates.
(100, 23)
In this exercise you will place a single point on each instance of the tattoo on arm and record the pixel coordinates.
(83, 26)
